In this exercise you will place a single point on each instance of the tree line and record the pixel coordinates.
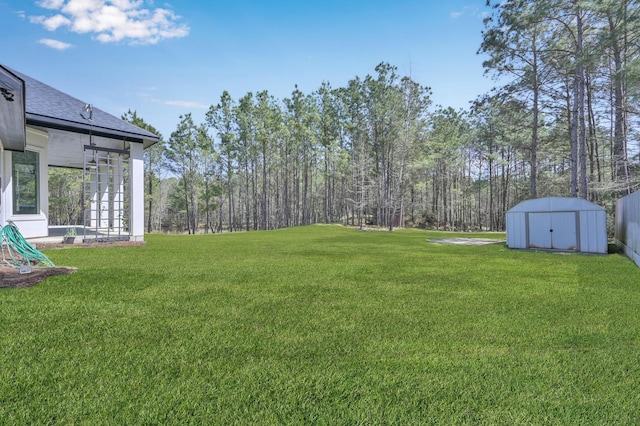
(560, 122)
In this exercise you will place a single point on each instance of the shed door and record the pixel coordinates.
(553, 230)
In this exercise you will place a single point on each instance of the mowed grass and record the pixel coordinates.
(323, 325)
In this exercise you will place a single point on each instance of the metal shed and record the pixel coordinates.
(558, 223)
(627, 232)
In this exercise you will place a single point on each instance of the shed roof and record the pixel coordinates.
(555, 204)
(50, 108)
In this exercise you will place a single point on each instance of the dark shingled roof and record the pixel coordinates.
(13, 131)
(51, 108)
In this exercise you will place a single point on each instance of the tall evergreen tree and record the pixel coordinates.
(222, 119)
(183, 160)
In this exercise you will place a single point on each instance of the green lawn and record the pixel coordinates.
(323, 325)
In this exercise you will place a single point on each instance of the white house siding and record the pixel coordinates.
(3, 185)
(32, 225)
(627, 233)
(136, 170)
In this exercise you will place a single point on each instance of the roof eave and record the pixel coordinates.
(59, 124)
(14, 135)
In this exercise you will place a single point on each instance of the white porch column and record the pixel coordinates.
(103, 190)
(118, 192)
(93, 202)
(136, 179)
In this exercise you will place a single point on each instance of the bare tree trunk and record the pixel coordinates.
(150, 214)
(230, 190)
(620, 161)
(574, 137)
(326, 185)
(594, 155)
(263, 208)
(534, 124)
(582, 148)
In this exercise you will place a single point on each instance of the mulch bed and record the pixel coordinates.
(12, 278)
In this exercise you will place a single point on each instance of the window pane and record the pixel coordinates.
(26, 182)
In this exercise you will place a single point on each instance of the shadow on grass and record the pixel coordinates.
(613, 248)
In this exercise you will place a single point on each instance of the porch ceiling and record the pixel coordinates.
(66, 149)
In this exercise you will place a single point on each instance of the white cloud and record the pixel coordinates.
(52, 23)
(467, 10)
(50, 4)
(184, 104)
(113, 20)
(147, 94)
(55, 44)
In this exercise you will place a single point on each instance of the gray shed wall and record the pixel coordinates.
(627, 232)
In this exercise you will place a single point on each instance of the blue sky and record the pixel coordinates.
(165, 59)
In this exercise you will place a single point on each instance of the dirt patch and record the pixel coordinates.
(41, 246)
(12, 278)
(466, 241)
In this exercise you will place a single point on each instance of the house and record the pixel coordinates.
(42, 127)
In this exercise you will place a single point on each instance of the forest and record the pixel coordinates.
(561, 121)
